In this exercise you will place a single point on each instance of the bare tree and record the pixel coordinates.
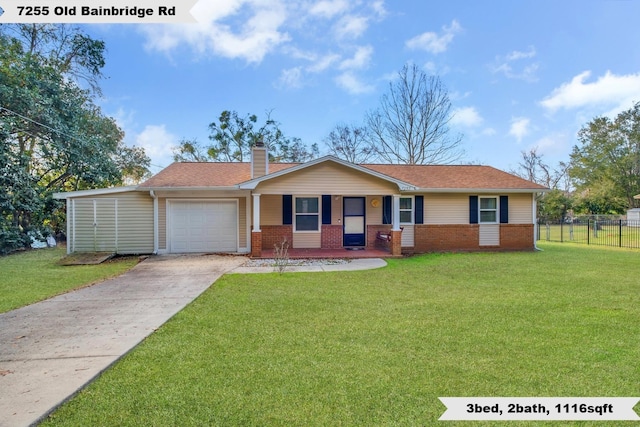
(532, 167)
(411, 125)
(350, 142)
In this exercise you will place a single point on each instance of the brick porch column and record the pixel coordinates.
(256, 233)
(396, 242)
(256, 244)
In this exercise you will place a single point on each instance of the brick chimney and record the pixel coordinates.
(259, 160)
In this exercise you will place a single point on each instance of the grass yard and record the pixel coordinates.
(35, 275)
(379, 347)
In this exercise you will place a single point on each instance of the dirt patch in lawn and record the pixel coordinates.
(90, 258)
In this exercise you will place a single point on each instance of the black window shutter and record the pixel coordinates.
(473, 209)
(504, 209)
(326, 209)
(287, 209)
(387, 202)
(419, 213)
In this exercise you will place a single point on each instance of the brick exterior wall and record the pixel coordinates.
(516, 236)
(451, 237)
(256, 244)
(331, 237)
(462, 237)
(273, 234)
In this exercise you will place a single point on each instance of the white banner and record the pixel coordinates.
(93, 12)
(539, 408)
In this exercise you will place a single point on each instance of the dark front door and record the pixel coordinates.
(353, 209)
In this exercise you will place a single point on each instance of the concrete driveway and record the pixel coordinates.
(51, 349)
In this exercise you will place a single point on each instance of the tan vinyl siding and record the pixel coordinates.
(489, 234)
(162, 223)
(446, 209)
(520, 209)
(82, 226)
(327, 178)
(408, 236)
(374, 214)
(270, 209)
(306, 240)
(242, 222)
(135, 223)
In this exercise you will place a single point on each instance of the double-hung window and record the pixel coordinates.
(307, 214)
(406, 210)
(489, 210)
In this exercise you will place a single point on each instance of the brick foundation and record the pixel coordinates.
(331, 237)
(516, 236)
(466, 237)
(256, 244)
(450, 237)
(273, 234)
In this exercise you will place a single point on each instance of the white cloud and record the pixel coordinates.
(507, 65)
(349, 82)
(157, 143)
(379, 9)
(351, 26)
(322, 63)
(556, 144)
(360, 60)
(466, 116)
(329, 8)
(520, 127)
(434, 42)
(615, 91)
(258, 31)
(291, 78)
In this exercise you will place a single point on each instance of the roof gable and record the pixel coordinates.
(253, 183)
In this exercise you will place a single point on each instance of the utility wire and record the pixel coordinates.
(54, 130)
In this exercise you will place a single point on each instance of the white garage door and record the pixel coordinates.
(203, 226)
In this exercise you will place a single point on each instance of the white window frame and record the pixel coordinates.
(496, 210)
(295, 214)
(412, 210)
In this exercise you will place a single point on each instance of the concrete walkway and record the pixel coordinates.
(51, 349)
(352, 265)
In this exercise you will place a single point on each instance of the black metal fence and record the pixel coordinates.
(592, 231)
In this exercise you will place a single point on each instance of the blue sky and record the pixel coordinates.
(520, 73)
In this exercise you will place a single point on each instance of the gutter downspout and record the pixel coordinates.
(535, 197)
(155, 221)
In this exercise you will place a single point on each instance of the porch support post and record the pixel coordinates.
(396, 233)
(396, 213)
(256, 234)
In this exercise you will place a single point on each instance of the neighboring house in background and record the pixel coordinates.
(325, 203)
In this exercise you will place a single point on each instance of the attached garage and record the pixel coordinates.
(202, 226)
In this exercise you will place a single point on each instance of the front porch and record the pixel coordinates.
(330, 253)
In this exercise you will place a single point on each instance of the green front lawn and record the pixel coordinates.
(35, 275)
(379, 347)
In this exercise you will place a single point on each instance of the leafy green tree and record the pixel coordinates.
(53, 137)
(606, 163)
(233, 136)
